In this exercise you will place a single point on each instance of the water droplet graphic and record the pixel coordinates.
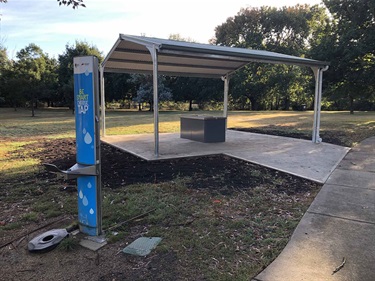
(91, 211)
(88, 138)
(89, 185)
(85, 202)
(84, 131)
(80, 194)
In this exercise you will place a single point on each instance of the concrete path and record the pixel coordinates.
(295, 156)
(339, 224)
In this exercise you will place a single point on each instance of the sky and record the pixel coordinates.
(51, 26)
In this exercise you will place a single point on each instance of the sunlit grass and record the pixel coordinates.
(13, 166)
(60, 123)
(223, 237)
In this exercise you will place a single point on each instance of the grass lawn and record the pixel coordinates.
(59, 123)
(226, 220)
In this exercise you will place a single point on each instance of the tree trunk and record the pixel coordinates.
(139, 106)
(351, 104)
(72, 107)
(32, 107)
(286, 103)
(254, 104)
(190, 105)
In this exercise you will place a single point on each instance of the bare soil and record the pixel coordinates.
(217, 173)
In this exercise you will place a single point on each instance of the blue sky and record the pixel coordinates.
(51, 27)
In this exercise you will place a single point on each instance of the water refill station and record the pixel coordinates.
(87, 170)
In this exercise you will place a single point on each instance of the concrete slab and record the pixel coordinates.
(366, 145)
(92, 244)
(339, 223)
(357, 162)
(345, 202)
(299, 157)
(352, 178)
(318, 247)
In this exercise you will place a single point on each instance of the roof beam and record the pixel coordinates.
(174, 64)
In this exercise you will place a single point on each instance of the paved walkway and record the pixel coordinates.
(339, 224)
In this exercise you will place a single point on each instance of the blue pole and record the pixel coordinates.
(86, 101)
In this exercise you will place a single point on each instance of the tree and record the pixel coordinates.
(190, 89)
(65, 70)
(286, 30)
(35, 74)
(200, 90)
(75, 3)
(145, 89)
(49, 83)
(5, 65)
(349, 43)
(118, 87)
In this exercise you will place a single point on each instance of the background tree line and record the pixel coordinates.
(342, 32)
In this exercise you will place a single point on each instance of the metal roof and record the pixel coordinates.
(131, 54)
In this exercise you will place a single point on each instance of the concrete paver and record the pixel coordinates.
(351, 203)
(352, 178)
(359, 161)
(339, 223)
(318, 247)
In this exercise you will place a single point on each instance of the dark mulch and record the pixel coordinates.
(333, 137)
(218, 172)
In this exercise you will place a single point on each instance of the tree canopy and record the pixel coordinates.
(286, 30)
(341, 32)
(75, 3)
(345, 37)
(35, 77)
(65, 69)
(349, 44)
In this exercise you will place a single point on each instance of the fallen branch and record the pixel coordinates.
(117, 225)
(32, 231)
(340, 266)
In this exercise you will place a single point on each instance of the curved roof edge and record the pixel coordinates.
(131, 54)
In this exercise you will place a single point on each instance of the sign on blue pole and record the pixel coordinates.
(86, 102)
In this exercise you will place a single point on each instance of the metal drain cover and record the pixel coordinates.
(142, 246)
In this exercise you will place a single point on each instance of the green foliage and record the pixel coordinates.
(285, 30)
(68, 244)
(11, 226)
(75, 3)
(144, 84)
(118, 87)
(343, 35)
(348, 41)
(65, 69)
(197, 90)
(30, 78)
(5, 65)
(31, 216)
(345, 38)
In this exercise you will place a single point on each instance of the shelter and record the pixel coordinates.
(138, 54)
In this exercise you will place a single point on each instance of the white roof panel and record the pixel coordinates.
(131, 54)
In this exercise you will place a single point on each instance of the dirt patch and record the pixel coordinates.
(225, 183)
